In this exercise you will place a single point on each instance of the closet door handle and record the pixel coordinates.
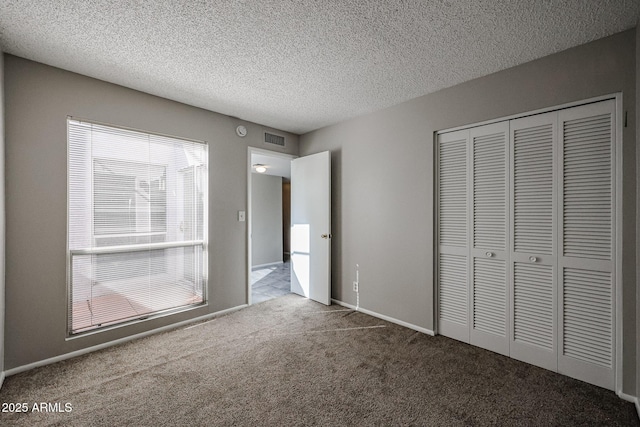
(533, 259)
(489, 254)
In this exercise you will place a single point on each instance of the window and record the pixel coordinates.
(137, 240)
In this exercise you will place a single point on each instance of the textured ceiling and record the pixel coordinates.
(299, 65)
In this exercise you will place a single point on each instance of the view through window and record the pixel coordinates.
(137, 209)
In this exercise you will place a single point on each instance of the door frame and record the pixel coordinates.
(250, 151)
(617, 235)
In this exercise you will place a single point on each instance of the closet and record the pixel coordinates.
(526, 220)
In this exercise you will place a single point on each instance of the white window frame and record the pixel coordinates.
(131, 248)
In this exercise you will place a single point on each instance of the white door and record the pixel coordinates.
(488, 202)
(586, 242)
(526, 229)
(311, 227)
(533, 245)
(453, 252)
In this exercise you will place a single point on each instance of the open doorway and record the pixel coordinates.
(269, 223)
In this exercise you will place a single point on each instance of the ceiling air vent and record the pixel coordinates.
(270, 138)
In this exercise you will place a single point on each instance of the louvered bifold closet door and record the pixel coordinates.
(452, 225)
(489, 219)
(586, 241)
(533, 245)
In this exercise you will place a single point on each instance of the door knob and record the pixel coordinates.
(533, 259)
(325, 236)
(489, 254)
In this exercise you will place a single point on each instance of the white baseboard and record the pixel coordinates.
(2, 376)
(269, 264)
(387, 318)
(77, 353)
(628, 397)
(631, 399)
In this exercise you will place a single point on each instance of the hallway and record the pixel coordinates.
(270, 282)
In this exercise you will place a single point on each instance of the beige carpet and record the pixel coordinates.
(290, 361)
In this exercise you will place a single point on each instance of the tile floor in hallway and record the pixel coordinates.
(270, 282)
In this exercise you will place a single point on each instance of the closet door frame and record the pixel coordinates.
(617, 245)
(617, 97)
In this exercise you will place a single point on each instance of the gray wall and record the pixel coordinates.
(637, 118)
(38, 100)
(2, 213)
(383, 175)
(266, 219)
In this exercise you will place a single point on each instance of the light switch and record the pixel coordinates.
(241, 216)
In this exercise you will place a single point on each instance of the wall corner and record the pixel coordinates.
(2, 219)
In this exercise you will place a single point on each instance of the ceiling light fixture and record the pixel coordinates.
(260, 168)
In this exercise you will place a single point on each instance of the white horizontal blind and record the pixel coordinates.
(137, 208)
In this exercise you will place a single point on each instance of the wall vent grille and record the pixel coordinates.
(270, 138)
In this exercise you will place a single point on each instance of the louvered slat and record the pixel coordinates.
(453, 193)
(489, 295)
(533, 189)
(489, 191)
(587, 187)
(533, 305)
(587, 316)
(453, 288)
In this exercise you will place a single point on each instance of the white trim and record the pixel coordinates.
(631, 399)
(383, 317)
(618, 244)
(436, 234)
(166, 135)
(250, 151)
(269, 264)
(265, 152)
(628, 398)
(76, 353)
(533, 113)
(137, 247)
(2, 377)
(247, 218)
(151, 316)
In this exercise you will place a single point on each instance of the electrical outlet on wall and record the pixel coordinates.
(355, 286)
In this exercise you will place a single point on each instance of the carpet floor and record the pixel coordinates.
(290, 361)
